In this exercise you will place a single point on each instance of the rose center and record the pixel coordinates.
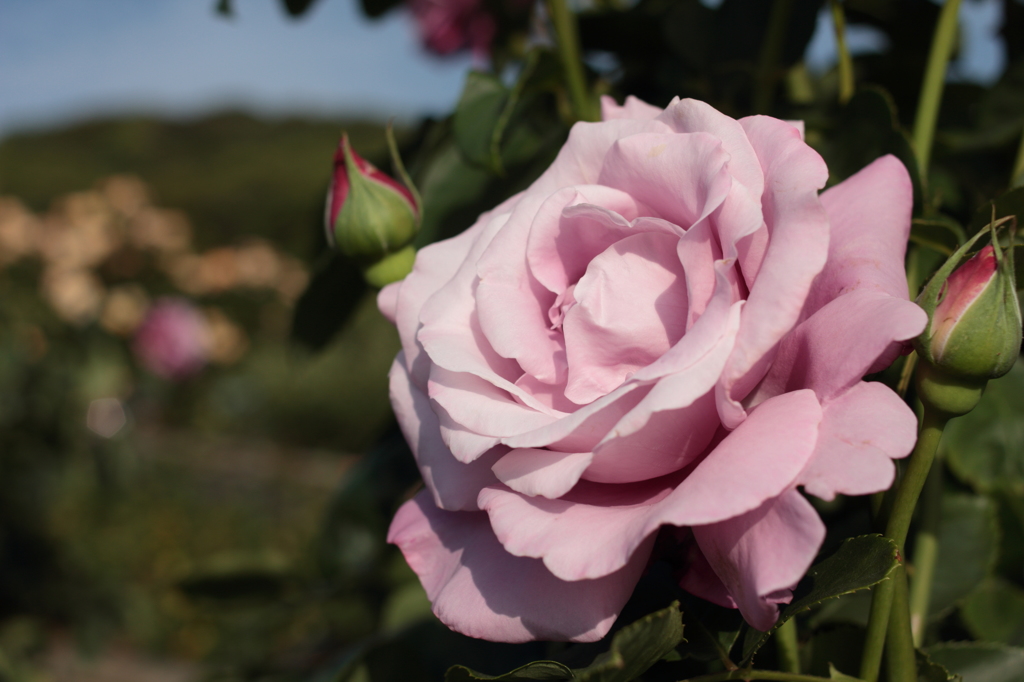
(561, 306)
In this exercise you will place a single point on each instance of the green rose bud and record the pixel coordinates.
(369, 214)
(974, 329)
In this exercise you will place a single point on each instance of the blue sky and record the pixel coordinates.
(65, 60)
(62, 60)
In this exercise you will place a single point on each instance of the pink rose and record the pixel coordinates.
(173, 341)
(450, 25)
(667, 329)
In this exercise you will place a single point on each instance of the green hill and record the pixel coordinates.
(233, 174)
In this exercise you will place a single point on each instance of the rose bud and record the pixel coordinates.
(974, 333)
(369, 214)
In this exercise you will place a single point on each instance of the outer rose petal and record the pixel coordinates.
(595, 529)
(869, 214)
(454, 485)
(863, 430)
(761, 555)
(633, 107)
(435, 266)
(478, 589)
(839, 344)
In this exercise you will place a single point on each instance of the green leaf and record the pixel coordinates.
(979, 661)
(930, 671)
(224, 8)
(834, 674)
(637, 647)
(450, 187)
(858, 564)
(538, 670)
(711, 630)
(477, 117)
(497, 127)
(985, 447)
(968, 546)
(994, 611)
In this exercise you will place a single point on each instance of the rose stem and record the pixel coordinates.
(900, 659)
(845, 63)
(1017, 177)
(934, 81)
(908, 490)
(567, 38)
(786, 644)
(926, 550)
(748, 674)
(771, 55)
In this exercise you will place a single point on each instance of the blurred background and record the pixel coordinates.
(189, 380)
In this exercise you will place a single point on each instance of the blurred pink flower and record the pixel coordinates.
(450, 25)
(174, 340)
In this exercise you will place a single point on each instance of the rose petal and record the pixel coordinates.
(869, 215)
(702, 581)
(595, 528)
(617, 327)
(694, 116)
(835, 347)
(533, 472)
(668, 441)
(633, 107)
(682, 177)
(453, 485)
(566, 235)
(582, 157)
(511, 304)
(862, 431)
(387, 301)
(435, 265)
(798, 246)
(481, 407)
(478, 589)
(761, 555)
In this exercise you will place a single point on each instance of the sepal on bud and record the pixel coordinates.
(370, 215)
(974, 329)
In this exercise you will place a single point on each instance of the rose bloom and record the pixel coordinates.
(173, 340)
(667, 329)
(446, 26)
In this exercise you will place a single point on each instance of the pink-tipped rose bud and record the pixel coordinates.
(173, 341)
(974, 333)
(369, 214)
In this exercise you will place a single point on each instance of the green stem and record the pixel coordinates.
(766, 75)
(901, 662)
(896, 529)
(934, 81)
(786, 645)
(1017, 177)
(845, 62)
(567, 39)
(926, 551)
(751, 674)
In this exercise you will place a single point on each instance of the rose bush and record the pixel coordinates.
(669, 328)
